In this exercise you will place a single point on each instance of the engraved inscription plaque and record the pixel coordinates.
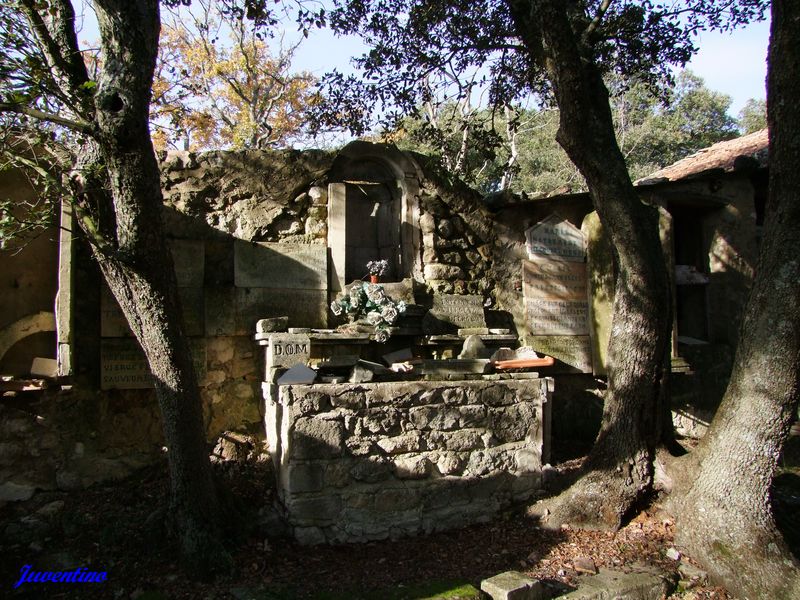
(556, 237)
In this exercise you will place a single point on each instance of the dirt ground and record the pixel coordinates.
(106, 528)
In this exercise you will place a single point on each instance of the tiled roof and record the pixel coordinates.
(743, 152)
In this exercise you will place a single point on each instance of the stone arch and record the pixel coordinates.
(373, 212)
(41, 322)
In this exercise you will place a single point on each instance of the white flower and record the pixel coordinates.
(401, 307)
(374, 318)
(375, 293)
(389, 313)
(356, 300)
(381, 336)
(336, 308)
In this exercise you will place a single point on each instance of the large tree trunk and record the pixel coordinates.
(723, 514)
(619, 468)
(136, 263)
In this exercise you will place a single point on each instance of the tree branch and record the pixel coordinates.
(59, 44)
(74, 124)
(598, 17)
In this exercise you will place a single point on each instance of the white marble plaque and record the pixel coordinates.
(557, 238)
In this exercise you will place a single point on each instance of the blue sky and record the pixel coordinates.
(733, 63)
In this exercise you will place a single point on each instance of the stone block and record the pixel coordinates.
(273, 324)
(472, 416)
(384, 421)
(304, 478)
(641, 583)
(308, 308)
(408, 442)
(285, 266)
(288, 350)
(451, 312)
(298, 375)
(412, 467)
(371, 470)
(513, 585)
(315, 510)
(512, 423)
(439, 417)
(316, 438)
(309, 536)
(351, 397)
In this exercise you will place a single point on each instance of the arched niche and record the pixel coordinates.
(373, 213)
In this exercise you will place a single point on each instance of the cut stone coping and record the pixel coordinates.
(512, 585)
(456, 365)
(322, 337)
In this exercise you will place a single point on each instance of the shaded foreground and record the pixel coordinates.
(106, 528)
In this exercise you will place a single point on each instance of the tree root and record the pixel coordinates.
(601, 500)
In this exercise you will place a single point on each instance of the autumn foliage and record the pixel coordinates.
(220, 83)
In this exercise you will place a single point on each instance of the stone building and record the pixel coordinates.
(256, 236)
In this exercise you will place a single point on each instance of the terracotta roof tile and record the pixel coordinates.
(722, 156)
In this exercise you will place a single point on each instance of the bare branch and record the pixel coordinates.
(73, 124)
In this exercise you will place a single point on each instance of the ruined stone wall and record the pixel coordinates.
(71, 439)
(371, 461)
(457, 233)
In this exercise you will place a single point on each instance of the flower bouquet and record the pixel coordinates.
(369, 301)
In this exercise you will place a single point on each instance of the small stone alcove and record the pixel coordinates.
(372, 213)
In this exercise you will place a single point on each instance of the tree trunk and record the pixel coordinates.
(137, 266)
(619, 468)
(723, 514)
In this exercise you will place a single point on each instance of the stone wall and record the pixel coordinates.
(371, 461)
(63, 439)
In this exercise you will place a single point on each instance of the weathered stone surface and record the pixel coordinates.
(408, 442)
(273, 324)
(513, 585)
(451, 312)
(401, 458)
(315, 438)
(642, 583)
(11, 492)
(287, 350)
(281, 266)
(443, 271)
(556, 237)
(298, 375)
(412, 467)
(575, 351)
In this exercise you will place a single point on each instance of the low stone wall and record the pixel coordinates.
(359, 462)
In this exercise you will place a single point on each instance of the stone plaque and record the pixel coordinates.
(451, 312)
(556, 317)
(572, 350)
(556, 237)
(189, 259)
(287, 350)
(114, 324)
(555, 297)
(305, 308)
(553, 279)
(283, 266)
(123, 365)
